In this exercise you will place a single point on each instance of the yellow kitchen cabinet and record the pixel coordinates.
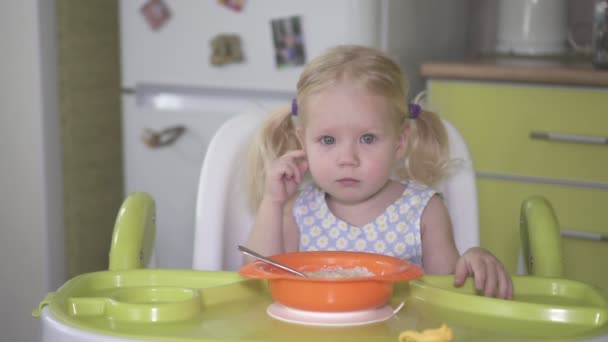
(536, 139)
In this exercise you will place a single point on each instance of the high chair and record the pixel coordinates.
(223, 217)
(541, 240)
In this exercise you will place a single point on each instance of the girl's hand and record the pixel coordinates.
(284, 176)
(488, 272)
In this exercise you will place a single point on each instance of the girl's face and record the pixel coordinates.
(350, 142)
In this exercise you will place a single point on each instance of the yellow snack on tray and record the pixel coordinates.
(441, 334)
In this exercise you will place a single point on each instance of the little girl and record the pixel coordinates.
(372, 159)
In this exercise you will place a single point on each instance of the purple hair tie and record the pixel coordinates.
(414, 110)
(294, 107)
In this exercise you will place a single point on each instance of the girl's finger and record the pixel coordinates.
(294, 154)
(503, 283)
(289, 171)
(491, 279)
(479, 273)
(302, 166)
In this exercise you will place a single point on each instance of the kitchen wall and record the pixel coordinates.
(31, 210)
(60, 140)
(482, 27)
(425, 39)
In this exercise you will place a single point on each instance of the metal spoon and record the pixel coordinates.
(251, 253)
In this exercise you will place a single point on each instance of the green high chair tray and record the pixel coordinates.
(131, 302)
(183, 305)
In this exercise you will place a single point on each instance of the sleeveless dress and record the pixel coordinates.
(395, 232)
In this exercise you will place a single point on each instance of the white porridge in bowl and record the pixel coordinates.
(340, 272)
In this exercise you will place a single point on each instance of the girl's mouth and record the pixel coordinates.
(348, 182)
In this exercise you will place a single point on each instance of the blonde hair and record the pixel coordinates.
(425, 158)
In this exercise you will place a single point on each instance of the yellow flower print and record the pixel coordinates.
(342, 225)
(391, 209)
(322, 242)
(326, 223)
(302, 210)
(321, 212)
(354, 232)
(305, 240)
(360, 245)
(368, 227)
(315, 231)
(401, 227)
(381, 219)
(332, 219)
(391, 237)
(314, 206)
(371, 235)
(399, 248)
(382, 226)
(379, 246)
(341, 243)
(393, 217)
(334, 232)
(404, 208)
(308, 221)
(415, 200)
(410, 239)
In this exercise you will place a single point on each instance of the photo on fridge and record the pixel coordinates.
(288, 42)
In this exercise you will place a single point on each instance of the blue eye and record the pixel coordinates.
(327, 140)
(367, 138)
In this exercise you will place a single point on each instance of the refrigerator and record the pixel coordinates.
(189, 65)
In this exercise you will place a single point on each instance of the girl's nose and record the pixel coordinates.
(348, 155)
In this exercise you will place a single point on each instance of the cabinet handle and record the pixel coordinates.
(572, 138)
(583, 235)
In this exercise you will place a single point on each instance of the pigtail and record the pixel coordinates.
(273, 138)
(426, 158)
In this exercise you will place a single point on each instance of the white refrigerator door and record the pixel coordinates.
(178, 53)
(170, 173)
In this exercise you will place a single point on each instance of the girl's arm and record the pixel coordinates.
(275, 230)
(440, 256)
(266, 236)
(439, 253)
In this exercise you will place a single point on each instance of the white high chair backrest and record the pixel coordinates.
(223, 217)
(459, 191)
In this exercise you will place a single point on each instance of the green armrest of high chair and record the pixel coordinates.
(134, 233)
(541, 240)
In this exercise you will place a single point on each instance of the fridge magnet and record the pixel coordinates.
(226, 48)
(235, 5)
(288, 42)
(156, 13)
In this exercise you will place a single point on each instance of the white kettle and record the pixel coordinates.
(532, 27)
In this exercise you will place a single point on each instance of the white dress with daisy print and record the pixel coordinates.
(395, 232)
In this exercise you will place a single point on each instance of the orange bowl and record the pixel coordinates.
(332, 294)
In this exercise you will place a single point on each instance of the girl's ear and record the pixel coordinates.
(402, 141)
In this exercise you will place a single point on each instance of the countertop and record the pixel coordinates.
(567, 70)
